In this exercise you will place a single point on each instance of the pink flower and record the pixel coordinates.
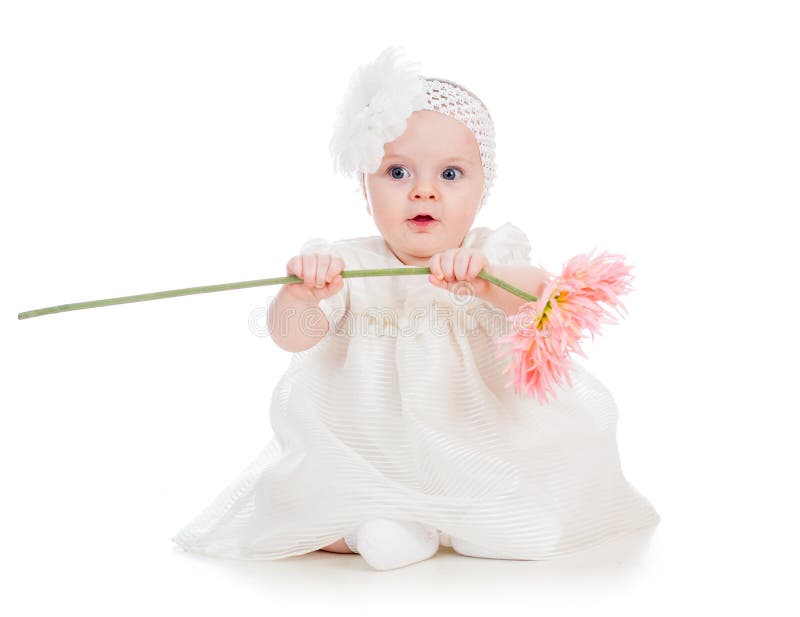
(548, 330)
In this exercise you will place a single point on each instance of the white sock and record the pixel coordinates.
(468, 549)
(350, 540)
(386, 543)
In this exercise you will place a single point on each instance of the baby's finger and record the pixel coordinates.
(435, 281)
(435, 264)
(309, 269)
(448, 265)
(460, 265)
(321, 275)
(294, 267)
(336, 279)
(477, 262)
(336, 267)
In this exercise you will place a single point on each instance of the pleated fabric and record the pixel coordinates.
(402, 411)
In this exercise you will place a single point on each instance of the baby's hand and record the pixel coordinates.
(452, 266)
(321, 274)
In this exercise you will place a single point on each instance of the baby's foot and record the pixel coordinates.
(350, 539)
(386, 544)
(468, 549)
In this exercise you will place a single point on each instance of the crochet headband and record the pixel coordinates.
(382, 95)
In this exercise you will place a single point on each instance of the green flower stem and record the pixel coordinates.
(281, 280)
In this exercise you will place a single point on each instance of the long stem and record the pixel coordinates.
(281, 280)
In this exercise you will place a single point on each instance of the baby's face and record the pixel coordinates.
(433, 168)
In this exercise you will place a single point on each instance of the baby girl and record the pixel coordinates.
(394, 434)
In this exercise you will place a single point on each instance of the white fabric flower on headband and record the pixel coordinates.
(379, 99)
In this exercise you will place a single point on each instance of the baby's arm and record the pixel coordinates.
(527, 278)
(296, 321)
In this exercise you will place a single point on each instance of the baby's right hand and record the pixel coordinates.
(321, 274)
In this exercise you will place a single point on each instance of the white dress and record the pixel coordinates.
(402, 411)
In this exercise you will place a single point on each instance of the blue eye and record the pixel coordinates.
(447, 171)
(392, 169)
(453, 169)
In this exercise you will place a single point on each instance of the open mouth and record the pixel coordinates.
(423, 218)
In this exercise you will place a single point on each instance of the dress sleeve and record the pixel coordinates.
(507, 244)
(334, 306)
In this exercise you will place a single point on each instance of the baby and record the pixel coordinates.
(397, 436)
(424, 199)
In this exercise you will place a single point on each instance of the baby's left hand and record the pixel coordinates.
(449, 268)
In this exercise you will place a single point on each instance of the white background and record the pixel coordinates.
(147, 146)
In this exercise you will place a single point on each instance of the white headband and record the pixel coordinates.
(379, 99)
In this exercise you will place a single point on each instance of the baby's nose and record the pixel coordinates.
(424, 195)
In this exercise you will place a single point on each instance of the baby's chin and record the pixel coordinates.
(421, 245)
(419, 256)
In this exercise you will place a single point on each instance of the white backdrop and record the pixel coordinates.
(147, 146)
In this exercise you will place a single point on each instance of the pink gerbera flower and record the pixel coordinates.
(548, 330)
